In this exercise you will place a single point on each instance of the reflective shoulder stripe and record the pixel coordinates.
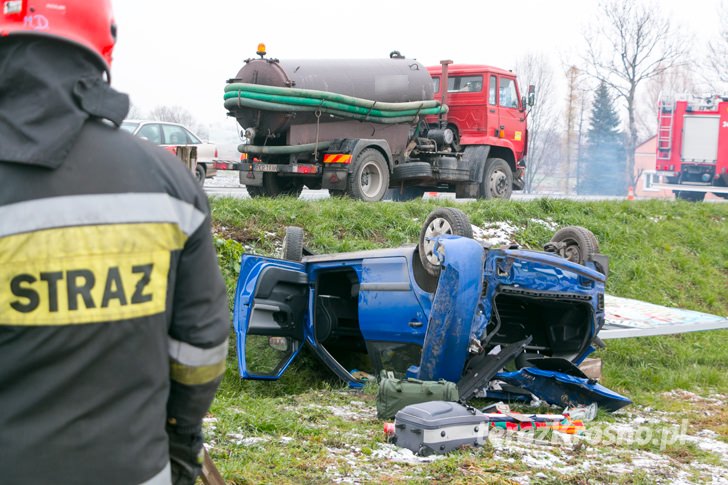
(193, 366)
(164, 477)
(93, 209)
(186, 354)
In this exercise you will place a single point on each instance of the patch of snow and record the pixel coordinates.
(239, 439)
(495, 233)
(548, 223)
(388, 451)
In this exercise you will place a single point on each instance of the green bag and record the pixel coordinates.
(394, 394)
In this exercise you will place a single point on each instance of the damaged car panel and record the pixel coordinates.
(385, 304)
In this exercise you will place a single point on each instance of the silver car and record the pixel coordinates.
(172, 134)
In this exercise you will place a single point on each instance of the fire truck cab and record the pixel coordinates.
(692, 145)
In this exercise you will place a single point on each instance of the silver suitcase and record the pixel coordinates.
(437, 427)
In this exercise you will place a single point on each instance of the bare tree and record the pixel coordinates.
(677, 80)
(542, 117)
(575, 108)
(178, 114)
(717, 61)
(629, 44)
(135, 113)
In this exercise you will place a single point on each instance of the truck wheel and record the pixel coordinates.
(254, 191)
(404, 194)
(412, 170)
(200, 174)
(497, 180)
(444, 220)
(293, 244)
(370, 178)
(579, 243)
(689, 195)
(275, 186)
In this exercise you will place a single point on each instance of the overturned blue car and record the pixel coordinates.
(447, 308)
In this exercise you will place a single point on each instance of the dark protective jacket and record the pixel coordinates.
(113, 315)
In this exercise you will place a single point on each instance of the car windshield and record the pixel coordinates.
(129, 126)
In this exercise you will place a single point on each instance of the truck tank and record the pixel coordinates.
(394, 80)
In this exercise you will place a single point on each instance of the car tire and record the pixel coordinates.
(370, 177)
(444, 220)
(293, 244)
(200, 174)
(580, 244)
(497, 180)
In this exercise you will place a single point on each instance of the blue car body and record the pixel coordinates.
(382, 304)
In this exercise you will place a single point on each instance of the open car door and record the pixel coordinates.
(271, 307)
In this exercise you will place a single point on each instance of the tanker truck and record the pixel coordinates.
(377, 128)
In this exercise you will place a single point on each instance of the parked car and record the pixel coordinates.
(172, 134)
(447, 308)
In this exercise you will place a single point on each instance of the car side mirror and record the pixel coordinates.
(531, 95)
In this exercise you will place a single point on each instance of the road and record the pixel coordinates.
(225, 184)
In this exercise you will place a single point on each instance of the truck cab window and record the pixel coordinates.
(435, 84)
(508, 96)
(465, 84)
(491, 91)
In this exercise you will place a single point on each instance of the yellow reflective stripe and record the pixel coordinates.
(88, 274)
(195, 375)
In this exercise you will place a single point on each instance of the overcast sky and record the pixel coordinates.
(176, 52)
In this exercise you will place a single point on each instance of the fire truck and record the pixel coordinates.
(376, 128)
(692, 145)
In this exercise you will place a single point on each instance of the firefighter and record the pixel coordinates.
(113, 315)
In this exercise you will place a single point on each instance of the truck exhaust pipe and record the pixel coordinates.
(443, 97)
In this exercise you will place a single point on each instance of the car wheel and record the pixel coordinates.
(444, 220)
(370, 178)
(575, 243)
(200, 174)
(293, 244)
(497, 180)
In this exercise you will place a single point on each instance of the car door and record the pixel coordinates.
(270, 315)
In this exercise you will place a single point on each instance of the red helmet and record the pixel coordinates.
(87, 23)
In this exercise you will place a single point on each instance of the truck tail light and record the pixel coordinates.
(243, 156)
(305, 169)
(215, 152)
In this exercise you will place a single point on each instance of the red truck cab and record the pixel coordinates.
(486, 108)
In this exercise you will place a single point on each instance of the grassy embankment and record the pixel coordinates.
(668, 253)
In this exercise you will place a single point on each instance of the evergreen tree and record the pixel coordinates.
(602, 171)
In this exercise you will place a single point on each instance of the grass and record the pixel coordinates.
(665, 252)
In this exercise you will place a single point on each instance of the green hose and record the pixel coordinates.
(332, 105)
(335, 97)
(237, 103)
(272, 98)
(284, 150)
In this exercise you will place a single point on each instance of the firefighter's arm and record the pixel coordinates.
(198, 338)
